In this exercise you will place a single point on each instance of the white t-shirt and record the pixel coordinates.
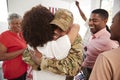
(57, 49)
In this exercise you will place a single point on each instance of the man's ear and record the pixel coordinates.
(105, 20)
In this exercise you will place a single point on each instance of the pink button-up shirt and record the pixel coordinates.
(99, 43)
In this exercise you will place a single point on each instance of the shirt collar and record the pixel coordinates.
(99, 33)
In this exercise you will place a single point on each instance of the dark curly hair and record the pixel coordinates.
(36, 28)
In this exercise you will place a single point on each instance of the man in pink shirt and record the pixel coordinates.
(107, 64)
(99, 41)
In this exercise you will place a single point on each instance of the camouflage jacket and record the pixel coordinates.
(26, 57)
(70, 65)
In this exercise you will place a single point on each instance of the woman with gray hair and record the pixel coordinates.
(12, 46)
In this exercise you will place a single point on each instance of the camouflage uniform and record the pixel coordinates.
(70, 65)
(26, 57)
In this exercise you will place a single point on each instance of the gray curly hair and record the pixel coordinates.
(13, 16)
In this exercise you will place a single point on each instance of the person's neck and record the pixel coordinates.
(119, 42)
(13, 31)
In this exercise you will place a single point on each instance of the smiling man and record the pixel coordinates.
(100, 39)
(108, 63)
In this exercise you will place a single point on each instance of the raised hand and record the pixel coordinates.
(77, 3)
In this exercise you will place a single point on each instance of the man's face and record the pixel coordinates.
(115, 28)
(96, 23)
(58, 33)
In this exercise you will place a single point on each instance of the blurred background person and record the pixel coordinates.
(88, 33)
(12, 45)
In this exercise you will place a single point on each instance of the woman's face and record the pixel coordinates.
(115, 28)
(15, 25)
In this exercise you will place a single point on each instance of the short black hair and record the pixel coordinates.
(102, 12)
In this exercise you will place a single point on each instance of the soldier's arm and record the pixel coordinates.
(27, 58)
(67, 66)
